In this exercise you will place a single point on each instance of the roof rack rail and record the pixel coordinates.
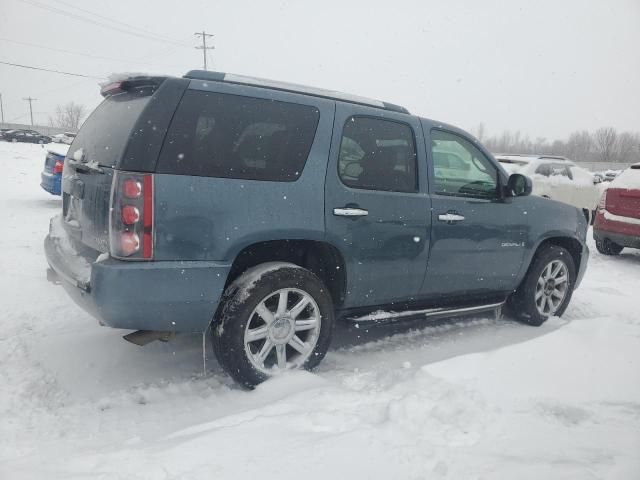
(291, 87)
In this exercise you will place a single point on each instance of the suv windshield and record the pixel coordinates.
(104, 135)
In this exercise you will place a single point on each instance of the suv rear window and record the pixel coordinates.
(231, 136)
(554, 170)
(104, 135)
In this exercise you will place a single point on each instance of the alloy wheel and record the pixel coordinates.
(282, 331)
(552, 287)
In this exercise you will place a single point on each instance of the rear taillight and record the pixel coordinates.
(602, 204)
(58, 166)
(131, 219)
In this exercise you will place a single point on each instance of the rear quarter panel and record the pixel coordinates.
(208, 218)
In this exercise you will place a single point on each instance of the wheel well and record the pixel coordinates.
(321, 258)
(572, 245)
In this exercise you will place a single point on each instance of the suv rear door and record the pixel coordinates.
(477, 237)
(376, 207)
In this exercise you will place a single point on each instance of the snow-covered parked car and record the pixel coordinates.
(66, 138)
(617, 223)
(607, 175)
(51, 175)
(557, 178)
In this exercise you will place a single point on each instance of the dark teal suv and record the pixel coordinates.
(263, 211)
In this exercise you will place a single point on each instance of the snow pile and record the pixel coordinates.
(77, 264)
(464, 399)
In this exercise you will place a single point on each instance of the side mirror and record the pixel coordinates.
(519, 185)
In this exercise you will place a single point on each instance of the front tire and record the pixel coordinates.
(275, 317)
(607, 247)
(547, 287)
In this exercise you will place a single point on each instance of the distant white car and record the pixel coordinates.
(66, 137)
(558, 178)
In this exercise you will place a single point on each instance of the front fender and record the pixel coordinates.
(559, 223)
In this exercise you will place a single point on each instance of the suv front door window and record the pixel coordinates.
(461, 169)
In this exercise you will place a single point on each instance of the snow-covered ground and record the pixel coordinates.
(465, 399)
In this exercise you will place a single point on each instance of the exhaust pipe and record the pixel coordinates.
(143, 337)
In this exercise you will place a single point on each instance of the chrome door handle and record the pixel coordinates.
(450, 217)
(350, 212)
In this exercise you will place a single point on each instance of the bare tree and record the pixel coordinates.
(579, 146)
(627, 146)
(605, 143)
(480, 131)
(68, 116)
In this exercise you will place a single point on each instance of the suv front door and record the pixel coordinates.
(376, 205)
(477, 236)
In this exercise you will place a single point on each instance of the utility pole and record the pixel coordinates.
(1, 108)
(30, 100)
(204, 47)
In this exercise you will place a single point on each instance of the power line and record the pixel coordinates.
(71, 52)
(66, 13)
(118, 22)
(44, 93)
(204, 47)
(52, 71)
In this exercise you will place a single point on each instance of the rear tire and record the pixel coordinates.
(275, 317)
(607, 247)
(547, 287)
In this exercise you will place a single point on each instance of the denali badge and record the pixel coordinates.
(512, 244)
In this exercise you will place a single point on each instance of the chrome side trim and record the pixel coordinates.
(428, 313)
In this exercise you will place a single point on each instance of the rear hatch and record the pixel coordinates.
(623, 197)
(90, 163)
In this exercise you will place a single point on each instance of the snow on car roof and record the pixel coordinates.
(58, 148)
(523, 159)
(629, 178)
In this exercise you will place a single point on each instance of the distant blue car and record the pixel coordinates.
(52, 174)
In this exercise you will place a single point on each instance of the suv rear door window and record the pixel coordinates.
(378, 155)
(231, 136)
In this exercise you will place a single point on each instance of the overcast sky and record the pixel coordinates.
(545, 68)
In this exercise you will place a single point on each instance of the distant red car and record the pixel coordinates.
(617, 223)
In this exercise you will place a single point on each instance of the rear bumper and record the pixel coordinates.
(618, 238)
(623, 233)
(51, 182)
(166, 296)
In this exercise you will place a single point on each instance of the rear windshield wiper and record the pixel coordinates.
(87, 167)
